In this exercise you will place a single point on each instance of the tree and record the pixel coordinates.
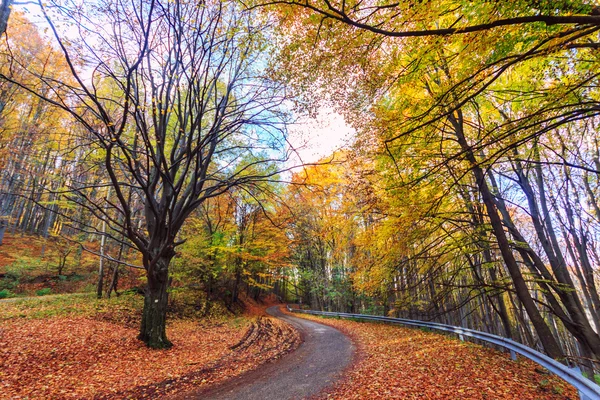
(5, 9)
(32, 133)
(322, 211)
(172, 99)
(422, 19)
(482, 86)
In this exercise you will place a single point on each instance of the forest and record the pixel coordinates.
(145, 146)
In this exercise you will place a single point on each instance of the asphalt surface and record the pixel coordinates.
(316, 364)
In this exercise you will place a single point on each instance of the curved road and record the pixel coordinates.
(316, 364)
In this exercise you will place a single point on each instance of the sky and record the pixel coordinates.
(314, 139)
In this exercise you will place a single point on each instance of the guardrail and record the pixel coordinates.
(588, 390)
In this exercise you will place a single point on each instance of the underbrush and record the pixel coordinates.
(189, 303)
(31, 265)
(185, 302)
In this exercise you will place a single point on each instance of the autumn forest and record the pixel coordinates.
(150, 164)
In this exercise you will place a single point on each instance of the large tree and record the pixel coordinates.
(173, 100)
(533, 63)
(450, 17)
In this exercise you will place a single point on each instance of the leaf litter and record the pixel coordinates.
(394, 362)
(87, 357)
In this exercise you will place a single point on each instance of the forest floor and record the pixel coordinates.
(68, 347)
(400, 363)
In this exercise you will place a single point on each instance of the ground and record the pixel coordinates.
(75, 346)
(394, 362)
(324, 355)
(89, 349)
(55, 345)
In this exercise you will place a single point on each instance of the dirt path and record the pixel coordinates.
(317, 363)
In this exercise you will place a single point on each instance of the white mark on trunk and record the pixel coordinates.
(156, 301)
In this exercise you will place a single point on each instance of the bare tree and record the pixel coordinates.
(173, 96)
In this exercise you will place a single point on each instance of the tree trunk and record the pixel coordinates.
(115, 273)
(545, 335)
(153, 329)
(100, 285)
(5, 8)
(578, 322)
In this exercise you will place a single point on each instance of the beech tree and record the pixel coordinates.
(173, 101)
(236, 245)
(421, 19)
(482, 85)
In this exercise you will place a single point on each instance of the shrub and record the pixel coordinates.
(5, 293)
(26, 264)
(75, 277)
(43, 292)
(9, 281)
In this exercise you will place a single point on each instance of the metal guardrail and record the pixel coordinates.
(588, 390)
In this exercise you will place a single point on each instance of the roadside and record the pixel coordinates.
(402, 363)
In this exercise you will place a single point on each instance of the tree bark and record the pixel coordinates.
(153, 329)
(5, 8)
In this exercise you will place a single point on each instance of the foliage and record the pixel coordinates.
(24, 271)
(234, 241)
(182, 115)
(9, 281)
(470, 196)
(475, 157)
(43, 292)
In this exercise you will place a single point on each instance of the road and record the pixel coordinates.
(316, 364)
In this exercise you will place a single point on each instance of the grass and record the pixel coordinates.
(596, 377)
(69, 305)
(125, 308)
(43, 292)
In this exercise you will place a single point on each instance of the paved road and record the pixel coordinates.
(316, 364)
